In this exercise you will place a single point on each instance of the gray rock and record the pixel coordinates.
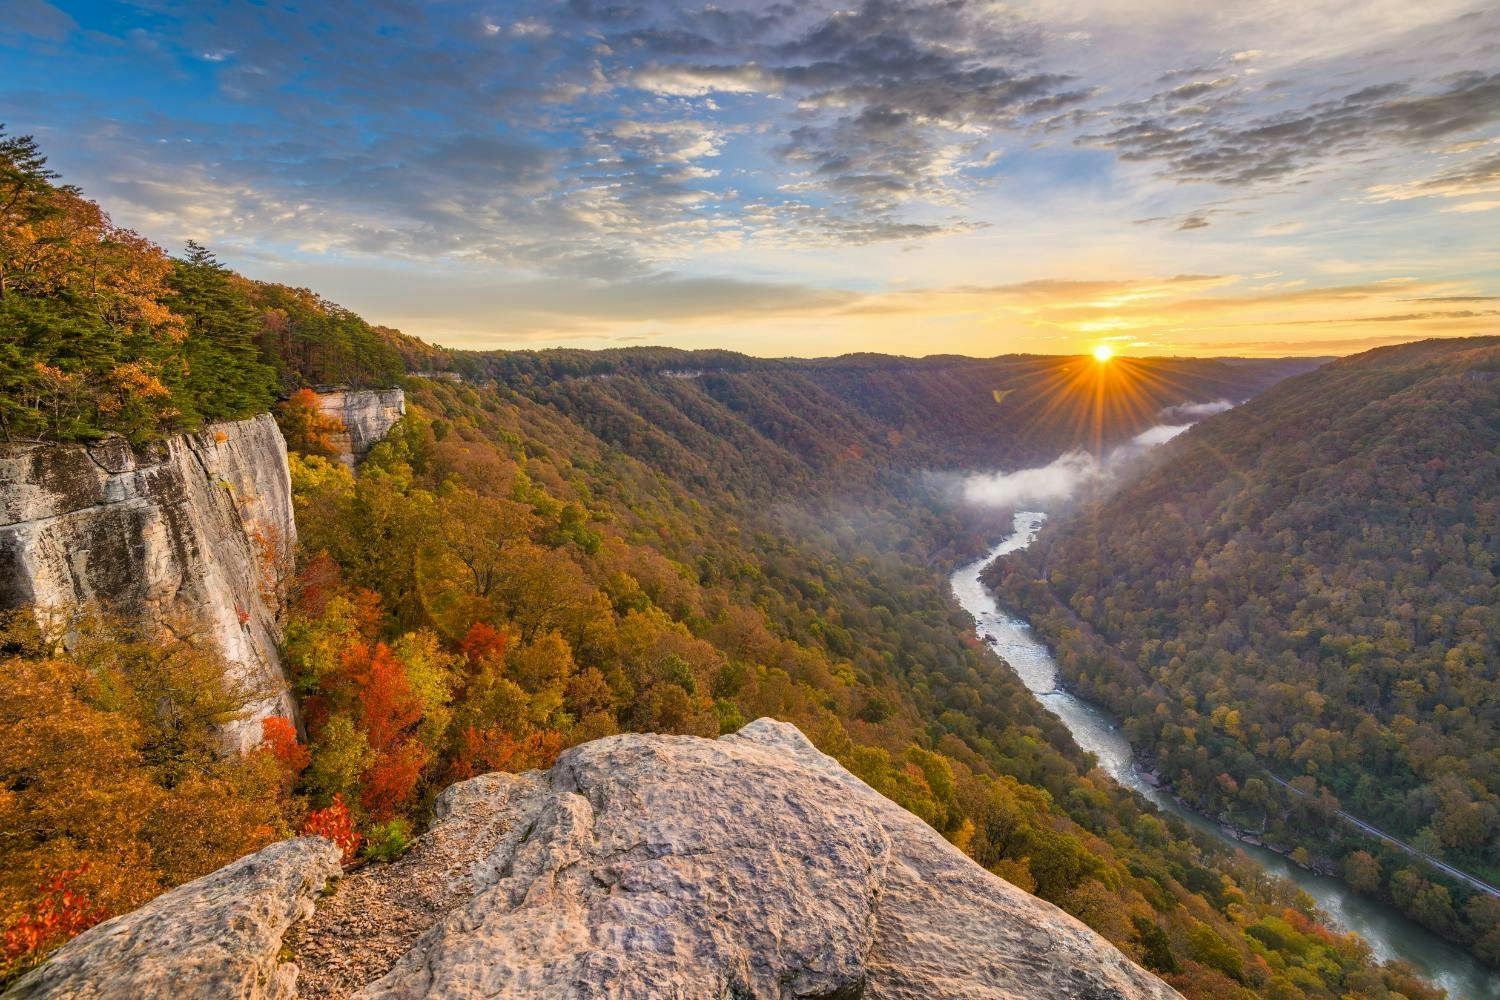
(196, 533)
(749, 866)
(367, 414)
(218, 937)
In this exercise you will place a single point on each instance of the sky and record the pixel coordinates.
(810, 178)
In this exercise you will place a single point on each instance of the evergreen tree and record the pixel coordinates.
(225, 376)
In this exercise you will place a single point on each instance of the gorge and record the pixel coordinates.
(1391, 935)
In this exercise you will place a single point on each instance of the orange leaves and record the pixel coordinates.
(385, 704)
(307, 428)
(279, 738)
(337, 824)
(494, 749)
(57, 912)
(482, 642)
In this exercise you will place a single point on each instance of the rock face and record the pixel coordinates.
(195, 533)
(220, 936)
(367, 415)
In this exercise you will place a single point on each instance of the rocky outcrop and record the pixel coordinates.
(643, 867)
(195, 533)
(749, 866)
(218, 937)
(367, 415)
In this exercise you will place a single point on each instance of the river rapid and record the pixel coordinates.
(1390, 934)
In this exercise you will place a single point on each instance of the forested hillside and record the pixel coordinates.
(1305, 589)
(102, 331)
(568, 545)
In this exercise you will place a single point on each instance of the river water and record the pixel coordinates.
(1389, 933)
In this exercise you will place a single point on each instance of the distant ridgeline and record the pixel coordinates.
(557, 547)
(1297, 609)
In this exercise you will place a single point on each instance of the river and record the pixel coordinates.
(1389, 933)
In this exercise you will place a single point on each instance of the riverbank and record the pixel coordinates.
(1390, 934)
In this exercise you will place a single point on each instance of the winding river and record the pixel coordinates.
(1389, 933)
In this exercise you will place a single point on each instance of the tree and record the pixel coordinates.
(1362, 871)
(226, 377)
(306, 427)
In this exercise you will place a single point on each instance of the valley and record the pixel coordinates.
(1391, 935)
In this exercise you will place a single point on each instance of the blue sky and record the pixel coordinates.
(912, 176)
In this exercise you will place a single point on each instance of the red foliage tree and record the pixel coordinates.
(388, 785)
(279, 738)
(57, 913)
(482, 641)
(384, 701)
(337, 824)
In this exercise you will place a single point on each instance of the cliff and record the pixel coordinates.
(367, 416)
(751, 866)
(195, 532)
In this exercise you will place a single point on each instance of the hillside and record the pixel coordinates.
(537, 558)
(1305, 589)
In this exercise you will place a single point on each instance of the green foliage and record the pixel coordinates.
(385, 842)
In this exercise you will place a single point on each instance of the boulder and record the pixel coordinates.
(220, 936)
(751, 866)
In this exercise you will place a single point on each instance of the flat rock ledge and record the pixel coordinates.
(751, 867)
(219, 936)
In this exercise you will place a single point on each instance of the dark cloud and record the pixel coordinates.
(892, 94)
(1228, 143)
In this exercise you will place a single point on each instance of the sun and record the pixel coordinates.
(1103, 352)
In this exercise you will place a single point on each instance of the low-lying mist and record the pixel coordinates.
(1068, 474)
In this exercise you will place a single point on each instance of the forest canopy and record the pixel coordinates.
(1297, 610)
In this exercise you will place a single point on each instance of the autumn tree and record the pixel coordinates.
(307, 427)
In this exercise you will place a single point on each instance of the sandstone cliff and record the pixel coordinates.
(196, 532)
(367, 415)
(638, 867)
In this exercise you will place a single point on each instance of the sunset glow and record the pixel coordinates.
(805, 179)
(1103, 352)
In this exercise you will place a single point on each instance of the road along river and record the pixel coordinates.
(1389, 933)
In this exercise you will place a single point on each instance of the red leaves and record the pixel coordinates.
(58, 912)
(389, 783)
(481, 642)
(279, 737)
(383, 699)
(337, 824)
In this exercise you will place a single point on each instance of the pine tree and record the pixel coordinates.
(225, 376)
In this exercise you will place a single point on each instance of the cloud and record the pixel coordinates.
(1229, 141)
(1480, 175)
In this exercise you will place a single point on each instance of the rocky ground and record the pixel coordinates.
(639, 867)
